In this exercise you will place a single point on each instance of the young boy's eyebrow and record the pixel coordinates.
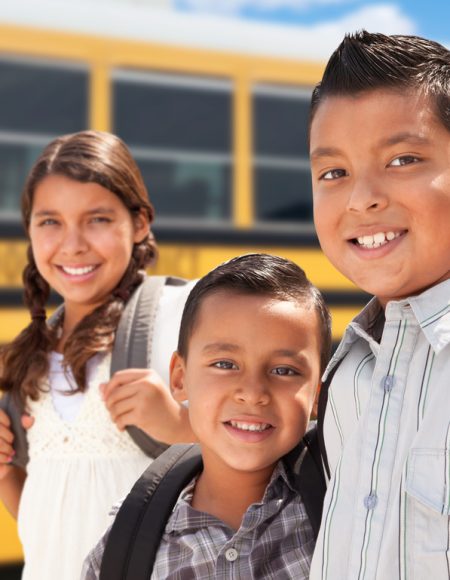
(220, 347)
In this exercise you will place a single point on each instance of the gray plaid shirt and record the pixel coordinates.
(275, 540)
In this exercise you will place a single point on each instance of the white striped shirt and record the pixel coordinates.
(387, 434)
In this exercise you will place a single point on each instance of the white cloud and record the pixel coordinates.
(138, 21)
(234, 7)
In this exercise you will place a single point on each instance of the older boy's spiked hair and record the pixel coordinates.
(367, 61)
(260, 275)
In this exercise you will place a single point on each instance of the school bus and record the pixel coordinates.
(220, 137)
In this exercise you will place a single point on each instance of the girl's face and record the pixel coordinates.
(82, 237)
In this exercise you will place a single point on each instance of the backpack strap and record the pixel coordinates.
(322, 406)
(306, 467)
(14, 409)
(134, 340)
(137, 530)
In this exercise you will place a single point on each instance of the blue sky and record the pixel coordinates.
(426, 18)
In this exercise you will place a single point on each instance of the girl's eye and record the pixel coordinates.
(48, 222)
(284, 372)
(225, 365)
(99, 219)
(404, 160)
(333, 174)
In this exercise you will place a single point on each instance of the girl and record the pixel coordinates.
(87, 216)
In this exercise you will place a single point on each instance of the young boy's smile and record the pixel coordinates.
(250, 377)
(381, 182)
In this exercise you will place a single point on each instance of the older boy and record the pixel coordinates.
(380, 154)
(254, 337)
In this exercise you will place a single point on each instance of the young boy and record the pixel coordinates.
(254, 337)
(380, 154)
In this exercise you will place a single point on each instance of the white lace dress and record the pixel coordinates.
(77, 471)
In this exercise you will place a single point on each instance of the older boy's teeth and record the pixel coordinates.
(377, 240)
(249, 426)
(78, 271)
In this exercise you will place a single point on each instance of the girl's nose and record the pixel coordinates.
(73, 242)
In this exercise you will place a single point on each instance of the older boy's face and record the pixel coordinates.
(250, 377)
(381, 183)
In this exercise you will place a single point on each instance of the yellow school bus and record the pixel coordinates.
(220, 137)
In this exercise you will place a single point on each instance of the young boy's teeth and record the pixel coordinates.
(249, 426)
(78, 271)
(377, 240)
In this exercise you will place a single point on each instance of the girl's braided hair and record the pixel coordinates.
(86, 157)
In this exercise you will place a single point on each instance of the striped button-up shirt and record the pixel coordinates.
(275, 541)
(387, 434)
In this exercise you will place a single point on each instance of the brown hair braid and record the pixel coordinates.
(87, 157)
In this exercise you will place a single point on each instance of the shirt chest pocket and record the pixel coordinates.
(426, 513)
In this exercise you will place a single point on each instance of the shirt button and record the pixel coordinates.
(388, 383)
(231, 554)
(370, 501)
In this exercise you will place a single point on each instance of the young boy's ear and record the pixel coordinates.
(177, 372)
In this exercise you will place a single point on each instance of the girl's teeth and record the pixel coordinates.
(249, 426)
(78, 271)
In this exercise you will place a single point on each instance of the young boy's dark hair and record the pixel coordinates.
(253, 338)
(380, 163)
(368, 61)
(258, 274)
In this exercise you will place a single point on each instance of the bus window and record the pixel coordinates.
(179, 131)
(281, 164)
(39, 100)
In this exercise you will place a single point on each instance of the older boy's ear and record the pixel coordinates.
(177, 373)
(315, 409)
(141, 226)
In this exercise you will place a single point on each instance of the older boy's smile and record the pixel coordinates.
(381, 182)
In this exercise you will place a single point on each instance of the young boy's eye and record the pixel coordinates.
(225, 364)
(403, 160)
(284, 372)
(333, 174)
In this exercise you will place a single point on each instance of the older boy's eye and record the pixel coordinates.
(284, 372)
(333, 174)
(403, 160)
(225, 364)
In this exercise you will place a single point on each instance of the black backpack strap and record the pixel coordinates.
(136, 533)
(305, 464)
(133, 344)
(323, 400)
(14, 409)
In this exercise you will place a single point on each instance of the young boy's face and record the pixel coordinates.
(381, 183)
(250, 377)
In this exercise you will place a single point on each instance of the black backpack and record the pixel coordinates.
(132, 349)
(133, 539)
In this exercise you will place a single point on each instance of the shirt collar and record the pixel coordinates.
(431, 309)
(183, 514)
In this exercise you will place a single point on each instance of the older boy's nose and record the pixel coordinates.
(366, 196)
